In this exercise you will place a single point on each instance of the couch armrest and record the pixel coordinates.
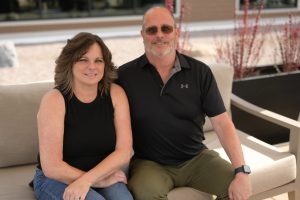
(292, 125)
(265, 114)
(273, 117)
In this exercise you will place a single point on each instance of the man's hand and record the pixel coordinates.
(240, 187)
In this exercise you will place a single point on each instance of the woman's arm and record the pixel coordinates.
(50, 121)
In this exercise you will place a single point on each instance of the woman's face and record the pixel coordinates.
(89, 69)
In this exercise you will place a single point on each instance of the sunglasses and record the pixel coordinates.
(152, 30)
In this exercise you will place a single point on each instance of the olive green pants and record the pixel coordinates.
(206, 172)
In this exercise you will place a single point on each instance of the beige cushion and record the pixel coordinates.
(271, 168)
(224, 76)
(18, 131)
(14, 183)
(188, 194)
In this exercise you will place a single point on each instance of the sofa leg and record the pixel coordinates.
(297, 194)
(294, 195)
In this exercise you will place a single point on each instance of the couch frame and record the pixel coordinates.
(19, 143)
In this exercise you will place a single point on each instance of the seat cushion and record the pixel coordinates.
(14, 183)
(188, 194)
(270, 167)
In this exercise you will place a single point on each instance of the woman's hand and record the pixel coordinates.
(76, 190)
(118, 176)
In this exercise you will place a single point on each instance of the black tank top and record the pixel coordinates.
(89, 133)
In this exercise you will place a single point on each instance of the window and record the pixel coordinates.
(21, 10)
(271, 4)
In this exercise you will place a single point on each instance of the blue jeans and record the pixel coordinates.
(49, 189)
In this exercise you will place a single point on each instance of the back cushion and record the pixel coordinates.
(19, 105)
(18, 130)
(223, 74)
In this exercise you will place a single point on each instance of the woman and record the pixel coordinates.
(84, 127)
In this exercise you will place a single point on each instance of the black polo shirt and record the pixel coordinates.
(167, 119)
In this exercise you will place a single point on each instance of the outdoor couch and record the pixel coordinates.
(273, 171)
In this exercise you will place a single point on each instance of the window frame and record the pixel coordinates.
(269, 10)
(82, 20)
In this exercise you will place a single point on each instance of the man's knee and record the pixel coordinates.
(149, 181)
(214, 173)
(149, 190)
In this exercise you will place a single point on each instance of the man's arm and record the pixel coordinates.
(240, 187)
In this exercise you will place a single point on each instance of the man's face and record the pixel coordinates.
(159, 33)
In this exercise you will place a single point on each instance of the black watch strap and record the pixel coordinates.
(244, 169)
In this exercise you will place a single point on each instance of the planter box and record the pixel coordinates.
(279, 93)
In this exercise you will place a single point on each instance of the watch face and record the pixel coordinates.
(247, 169)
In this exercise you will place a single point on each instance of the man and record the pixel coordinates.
(170, 94)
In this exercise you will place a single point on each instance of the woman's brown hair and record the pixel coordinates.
(72, 52)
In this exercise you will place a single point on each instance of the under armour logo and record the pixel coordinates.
(184, 85)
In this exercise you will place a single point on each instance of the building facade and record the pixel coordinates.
(51, 15)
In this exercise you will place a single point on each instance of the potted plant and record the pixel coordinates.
(275, 87)
(242, 49)
(288, 45)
